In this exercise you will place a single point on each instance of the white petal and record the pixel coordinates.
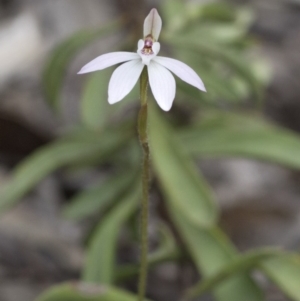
(156, 47)
(182, 70)
(162, 84)
(152, 24)
(123, 80)
(141, 44)
(107, 60)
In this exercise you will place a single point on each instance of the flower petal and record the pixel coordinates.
(162, 84)
(109, 59)
(152, 24)
(140, 45)
(123, 80)
(156, 48)
(182, 70)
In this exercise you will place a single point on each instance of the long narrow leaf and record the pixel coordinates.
(63, 152)
(96, 198)
(77, 291)
(100, 262)
(284, 271)
(242, 135)
(240, 264)
(212, 252)
(178, 176)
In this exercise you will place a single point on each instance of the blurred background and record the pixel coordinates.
(259, 201)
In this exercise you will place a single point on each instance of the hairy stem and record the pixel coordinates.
(142, 131)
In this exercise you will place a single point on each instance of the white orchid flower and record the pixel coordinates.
(161, 80)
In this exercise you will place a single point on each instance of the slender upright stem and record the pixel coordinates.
(142, 130)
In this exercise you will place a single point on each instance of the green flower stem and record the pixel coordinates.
(142, 131)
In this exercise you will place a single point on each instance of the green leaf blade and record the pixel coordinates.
(284, 271)
(211, 252)
(79, 291)
(240, 264)
(68, 150)
(101, 253)
(244, 136)
(97, 198)
(177, 175)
